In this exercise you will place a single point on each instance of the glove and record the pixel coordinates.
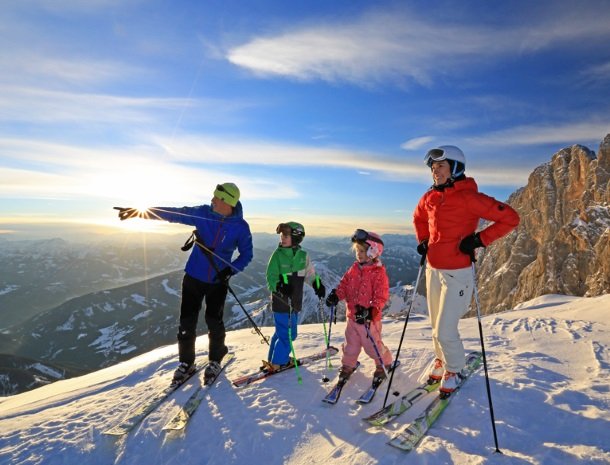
(224, 275)
(126, 213)
(284, 288)
(332, 299)
(363, 314)
(422, 247)
(320, 290)
(470, 243)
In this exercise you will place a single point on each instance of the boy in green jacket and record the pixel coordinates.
(289, 268)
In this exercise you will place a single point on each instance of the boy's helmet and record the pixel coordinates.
(296, 231)
(455, 157)
(373, 240)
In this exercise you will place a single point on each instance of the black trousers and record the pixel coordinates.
(193, 294)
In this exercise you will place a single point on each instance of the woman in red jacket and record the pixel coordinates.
(365, 289)
(446, 220)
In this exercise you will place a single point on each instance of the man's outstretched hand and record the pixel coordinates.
(127, 212)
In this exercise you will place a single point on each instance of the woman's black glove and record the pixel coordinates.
(470, 243)
(422, 247)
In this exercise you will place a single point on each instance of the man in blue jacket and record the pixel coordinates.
(220, 230)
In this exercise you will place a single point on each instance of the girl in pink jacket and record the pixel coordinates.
(365, 289)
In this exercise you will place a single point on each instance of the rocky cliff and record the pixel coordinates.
(562, 245)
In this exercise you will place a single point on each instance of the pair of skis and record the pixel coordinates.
(411, 434)
(181, 418)
(140, 411)
(262, 374)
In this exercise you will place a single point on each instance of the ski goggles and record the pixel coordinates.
(285, 228)
(434, 155)
(361, 236)
(220, 188)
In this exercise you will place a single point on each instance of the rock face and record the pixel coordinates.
(562, 245)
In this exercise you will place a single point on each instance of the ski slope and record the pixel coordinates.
(548, 363)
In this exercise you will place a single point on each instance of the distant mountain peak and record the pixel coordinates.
(562, 245)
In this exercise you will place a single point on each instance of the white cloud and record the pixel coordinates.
(41, 105)
(596, 75)
(201, 149)
(571, 133)
(131, 174)
(206, 150)
(416, 143)
(382, 46)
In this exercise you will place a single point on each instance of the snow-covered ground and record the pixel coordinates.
(548, 363)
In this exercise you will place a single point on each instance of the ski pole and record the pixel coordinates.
(325, 378)
(491, 407)
(321, 310)
(264, 338)
(294, 357)
(421, 267)
(368, 334)
(208, 253)
(332, 317)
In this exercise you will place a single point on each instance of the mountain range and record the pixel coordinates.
(101, 328)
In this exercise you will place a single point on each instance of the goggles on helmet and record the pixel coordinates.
(434, 155)
(285, 228)
(220, 187)
(361, 236)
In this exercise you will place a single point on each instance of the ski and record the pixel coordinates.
(400, 406)
(404, 403)
(141, 410)
(333, 396)
(179, 421)
(410, 436)
(262, 374)
(367, 397)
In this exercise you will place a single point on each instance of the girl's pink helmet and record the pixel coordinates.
(373, 240)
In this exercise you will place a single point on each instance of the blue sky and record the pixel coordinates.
(320, 111)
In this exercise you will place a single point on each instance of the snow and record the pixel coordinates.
(47, 370)
(8, 289)
(112, 338)
(548, 363)
(170, 290)
(68, 325)
(139, 299)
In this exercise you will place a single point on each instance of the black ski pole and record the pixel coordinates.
(265, 339)
(491, 407)
(421, 266)
(208, 253)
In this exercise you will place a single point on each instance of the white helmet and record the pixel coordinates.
(452, 154)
